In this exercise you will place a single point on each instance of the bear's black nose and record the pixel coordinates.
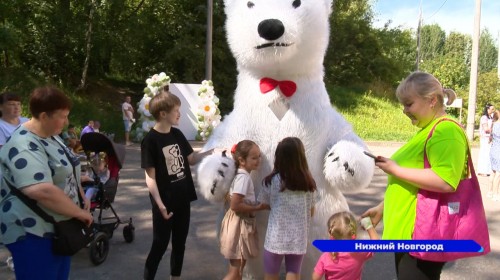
(271, 29)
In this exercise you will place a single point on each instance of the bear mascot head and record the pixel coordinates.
(279, 47)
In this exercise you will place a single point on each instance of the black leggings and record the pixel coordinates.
(410, 268)
(178, 225)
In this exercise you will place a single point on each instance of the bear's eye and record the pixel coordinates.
(250, 4)
(296, 3)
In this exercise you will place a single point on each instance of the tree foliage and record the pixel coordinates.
(46, 41)
(432, 42)
(488, 54)
(360, 54)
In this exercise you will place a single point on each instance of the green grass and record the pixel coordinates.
(374, 116)
(101, 101)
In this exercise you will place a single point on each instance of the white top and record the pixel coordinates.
(242, 184)
(6, 129)
(289, 219)
(126, 112)
(484, 120)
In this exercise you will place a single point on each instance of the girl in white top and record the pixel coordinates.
(289, 191)
(485, 124)
(242, 204)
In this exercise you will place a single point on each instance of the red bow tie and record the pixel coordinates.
(288, 88)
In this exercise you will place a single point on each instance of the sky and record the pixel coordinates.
(451, 15)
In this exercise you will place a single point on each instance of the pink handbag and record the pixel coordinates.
(451, 216)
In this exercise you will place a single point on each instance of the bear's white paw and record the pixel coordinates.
(347, 167)
(215, 174)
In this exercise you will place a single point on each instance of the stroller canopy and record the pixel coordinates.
(98, 142)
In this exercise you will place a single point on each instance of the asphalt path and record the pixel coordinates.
(202, 258)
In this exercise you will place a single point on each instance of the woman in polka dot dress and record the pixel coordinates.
(33, 161)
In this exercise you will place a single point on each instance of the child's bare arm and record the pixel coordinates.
(196, 157)
(316, 276)
(238, 204)
(373, 234)
(150, 174)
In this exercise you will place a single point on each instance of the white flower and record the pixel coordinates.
(156, 82)
(147, 125)
(215, 99)
(207, 108)
(144, 106)
(204, 125)
(216, 121)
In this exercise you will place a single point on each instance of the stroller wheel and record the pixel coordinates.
(129, 233)
(99, 248)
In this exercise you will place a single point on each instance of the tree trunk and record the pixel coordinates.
(6, 62)
(88, 39)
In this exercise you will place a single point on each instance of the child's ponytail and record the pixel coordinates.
(341, 226)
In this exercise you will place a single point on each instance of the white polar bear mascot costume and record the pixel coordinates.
(279, 46)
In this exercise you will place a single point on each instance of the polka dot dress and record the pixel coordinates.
(25, 161)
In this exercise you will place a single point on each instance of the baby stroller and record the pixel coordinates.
(94, 143)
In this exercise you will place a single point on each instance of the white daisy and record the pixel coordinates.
(207, 108)
(144, 106)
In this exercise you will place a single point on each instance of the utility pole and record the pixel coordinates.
(208, 52)
(471, 111)
(418, 37)
(498, 59)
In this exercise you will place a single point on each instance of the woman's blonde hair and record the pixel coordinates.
(426, 86)
(342, 225)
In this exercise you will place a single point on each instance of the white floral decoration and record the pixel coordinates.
(154, 84)
(208, 110)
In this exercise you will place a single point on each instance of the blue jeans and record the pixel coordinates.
(33, 259)
(128, 125)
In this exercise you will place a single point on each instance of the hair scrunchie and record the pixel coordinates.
(233, 149)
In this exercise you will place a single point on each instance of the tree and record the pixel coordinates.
(432, 40)
(450, 70)
(399, 48)
(488, 89)
(88, 39)
(488, 53)
(459, 45)
(360, 55)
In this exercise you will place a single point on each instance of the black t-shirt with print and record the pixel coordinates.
(167, 153)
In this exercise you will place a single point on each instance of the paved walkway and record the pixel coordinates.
(202, 259)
